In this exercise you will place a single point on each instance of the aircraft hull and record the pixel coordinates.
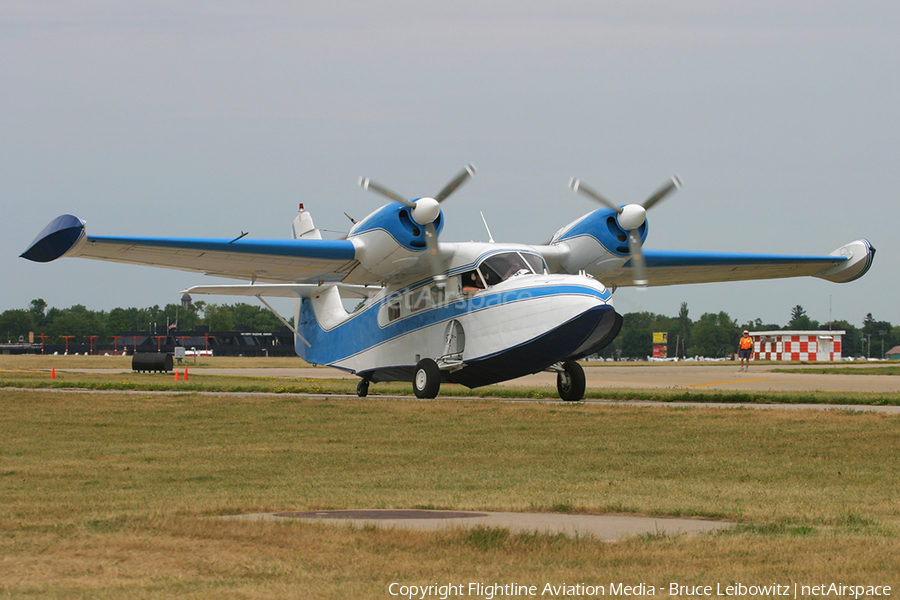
(586, 334)
(520, 327)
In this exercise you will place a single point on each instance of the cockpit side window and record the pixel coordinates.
(535, 262)
(501, 267)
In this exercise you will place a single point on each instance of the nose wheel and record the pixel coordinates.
(570, 381)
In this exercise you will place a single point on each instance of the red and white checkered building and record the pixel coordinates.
(806, 346)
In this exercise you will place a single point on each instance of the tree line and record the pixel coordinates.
(716, 335)
(712, 335)
(79, 321)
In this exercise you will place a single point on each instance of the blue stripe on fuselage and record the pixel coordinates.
(361, 332)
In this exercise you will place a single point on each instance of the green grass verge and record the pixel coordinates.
(279, 385)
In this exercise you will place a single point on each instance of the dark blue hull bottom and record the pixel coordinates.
(586, 334)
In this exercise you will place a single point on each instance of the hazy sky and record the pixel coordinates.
(213, 118)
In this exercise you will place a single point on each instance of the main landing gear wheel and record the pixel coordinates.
(427, 380)
(362, 388)
(570, 382)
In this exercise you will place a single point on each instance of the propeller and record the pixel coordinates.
(630, 218)
(424, 212)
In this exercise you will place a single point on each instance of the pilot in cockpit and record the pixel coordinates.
(471, 282)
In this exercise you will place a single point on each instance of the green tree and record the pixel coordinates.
(255, 317)
(77, 321)
(800, 321)
(121, 320)
(133, 319)
(636, 338)
(879, 334)
(714, 335)
(14, 323)
(895, 337)
(187, 318)
(219, 318)
(38, 311)
(758, 325)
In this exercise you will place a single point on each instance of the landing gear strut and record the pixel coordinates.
(570, 382)
(427, 379)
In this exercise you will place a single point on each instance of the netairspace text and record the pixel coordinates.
(490, 591)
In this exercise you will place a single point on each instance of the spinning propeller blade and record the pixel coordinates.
(434, 257)
(367, 184)
(468, 171)
(580, 187)
(425, 211)
(672, 185)
(631, 217)
(638, 264)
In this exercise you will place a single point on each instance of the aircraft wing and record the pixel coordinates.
(276, 261)
(666, 267)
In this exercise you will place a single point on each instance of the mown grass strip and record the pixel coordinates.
(236, 384)
(892, 370)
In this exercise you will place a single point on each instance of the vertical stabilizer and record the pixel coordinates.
(303, 227)
(316, 316)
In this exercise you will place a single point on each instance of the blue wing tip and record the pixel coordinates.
(56, 239)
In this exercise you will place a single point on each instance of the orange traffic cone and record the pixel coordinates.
(176, 374)
(185, 373)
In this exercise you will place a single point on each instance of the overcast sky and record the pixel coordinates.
(213, 118)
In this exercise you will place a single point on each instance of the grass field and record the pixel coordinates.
(112, 495)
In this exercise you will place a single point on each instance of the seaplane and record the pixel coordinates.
(431, 312)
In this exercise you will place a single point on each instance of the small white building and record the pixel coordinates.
(808, 346)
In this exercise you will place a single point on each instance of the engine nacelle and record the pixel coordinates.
(389, 241)
(595, 243)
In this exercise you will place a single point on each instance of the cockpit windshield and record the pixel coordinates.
(501, 267)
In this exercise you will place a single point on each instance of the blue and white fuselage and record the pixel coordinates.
(496, 317)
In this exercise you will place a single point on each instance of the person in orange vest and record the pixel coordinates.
(745, 348)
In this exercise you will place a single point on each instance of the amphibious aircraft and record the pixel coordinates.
(433, 311)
